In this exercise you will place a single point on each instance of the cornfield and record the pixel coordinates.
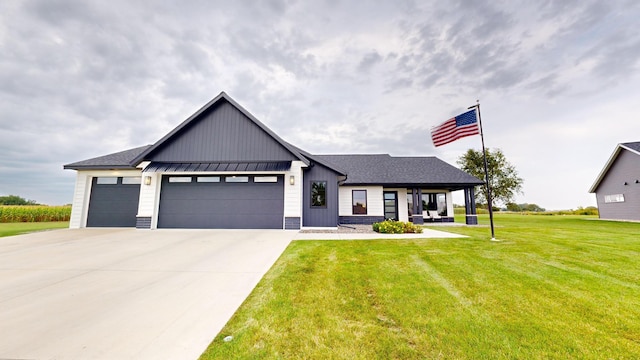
(34, 213)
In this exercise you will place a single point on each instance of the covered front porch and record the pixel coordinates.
(427, 205)
(415, 203)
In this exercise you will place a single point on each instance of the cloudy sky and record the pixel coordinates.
(558, 81)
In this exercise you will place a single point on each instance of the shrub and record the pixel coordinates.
(396, 227)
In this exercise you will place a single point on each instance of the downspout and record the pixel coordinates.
(341, 182)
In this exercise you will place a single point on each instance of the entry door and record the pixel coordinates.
(391, 205)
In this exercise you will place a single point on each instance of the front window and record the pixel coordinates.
(436, 202)
(318, 194)
(359, 202)
(614, 198)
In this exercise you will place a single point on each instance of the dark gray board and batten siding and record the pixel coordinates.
(626, 168)
(221, 134)
(320, 216)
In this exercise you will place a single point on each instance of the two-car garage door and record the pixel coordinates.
(225, 202)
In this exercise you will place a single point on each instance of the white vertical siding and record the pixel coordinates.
(375, 202)
(80, 196)
(293, 193)
(149, 197)
(82, 193)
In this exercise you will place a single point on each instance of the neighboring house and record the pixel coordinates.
(222, 168)
(617, 187)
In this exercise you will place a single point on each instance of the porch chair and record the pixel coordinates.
(434, 216)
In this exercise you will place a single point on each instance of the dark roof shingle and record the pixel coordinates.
(119, 160)
(384, 169)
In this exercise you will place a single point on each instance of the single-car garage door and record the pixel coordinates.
(222, 202)
(113, 202)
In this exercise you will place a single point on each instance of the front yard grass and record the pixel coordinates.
(10, 229)
(555, 287)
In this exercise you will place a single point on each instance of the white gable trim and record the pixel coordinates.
(607, 166)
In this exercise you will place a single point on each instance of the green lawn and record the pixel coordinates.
(9, 229)
(555, 287)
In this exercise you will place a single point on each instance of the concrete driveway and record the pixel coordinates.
(126, 294)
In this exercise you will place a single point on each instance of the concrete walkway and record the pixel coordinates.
(126, 294)
(426, 233)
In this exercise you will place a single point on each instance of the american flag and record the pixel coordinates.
(455, 128)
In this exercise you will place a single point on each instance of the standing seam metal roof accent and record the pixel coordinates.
(218, 167)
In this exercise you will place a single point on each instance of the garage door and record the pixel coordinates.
(113, 202)
(222, 202)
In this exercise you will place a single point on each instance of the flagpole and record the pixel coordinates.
(486, 171)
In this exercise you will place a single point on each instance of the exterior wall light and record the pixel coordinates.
(625, 183)
(292, 180)
(637, 181)
(147, 180)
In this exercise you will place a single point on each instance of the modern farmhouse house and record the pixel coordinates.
(617, 187)
(222, 168)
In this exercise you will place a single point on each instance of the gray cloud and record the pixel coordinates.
(369, 60)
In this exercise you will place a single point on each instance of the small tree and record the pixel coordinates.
(505, 182)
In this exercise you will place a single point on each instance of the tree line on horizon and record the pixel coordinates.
(16, 200)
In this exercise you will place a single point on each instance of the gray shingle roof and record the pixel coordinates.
(384, 169)
(119, 160)
(319, 160)
(633, 145)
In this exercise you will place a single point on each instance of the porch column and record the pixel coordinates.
(417, 206)
(470, 206)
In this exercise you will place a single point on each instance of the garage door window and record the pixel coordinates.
(107, 180)
(265, 179)
(208, 179)
(236, 179)
(179, 179)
